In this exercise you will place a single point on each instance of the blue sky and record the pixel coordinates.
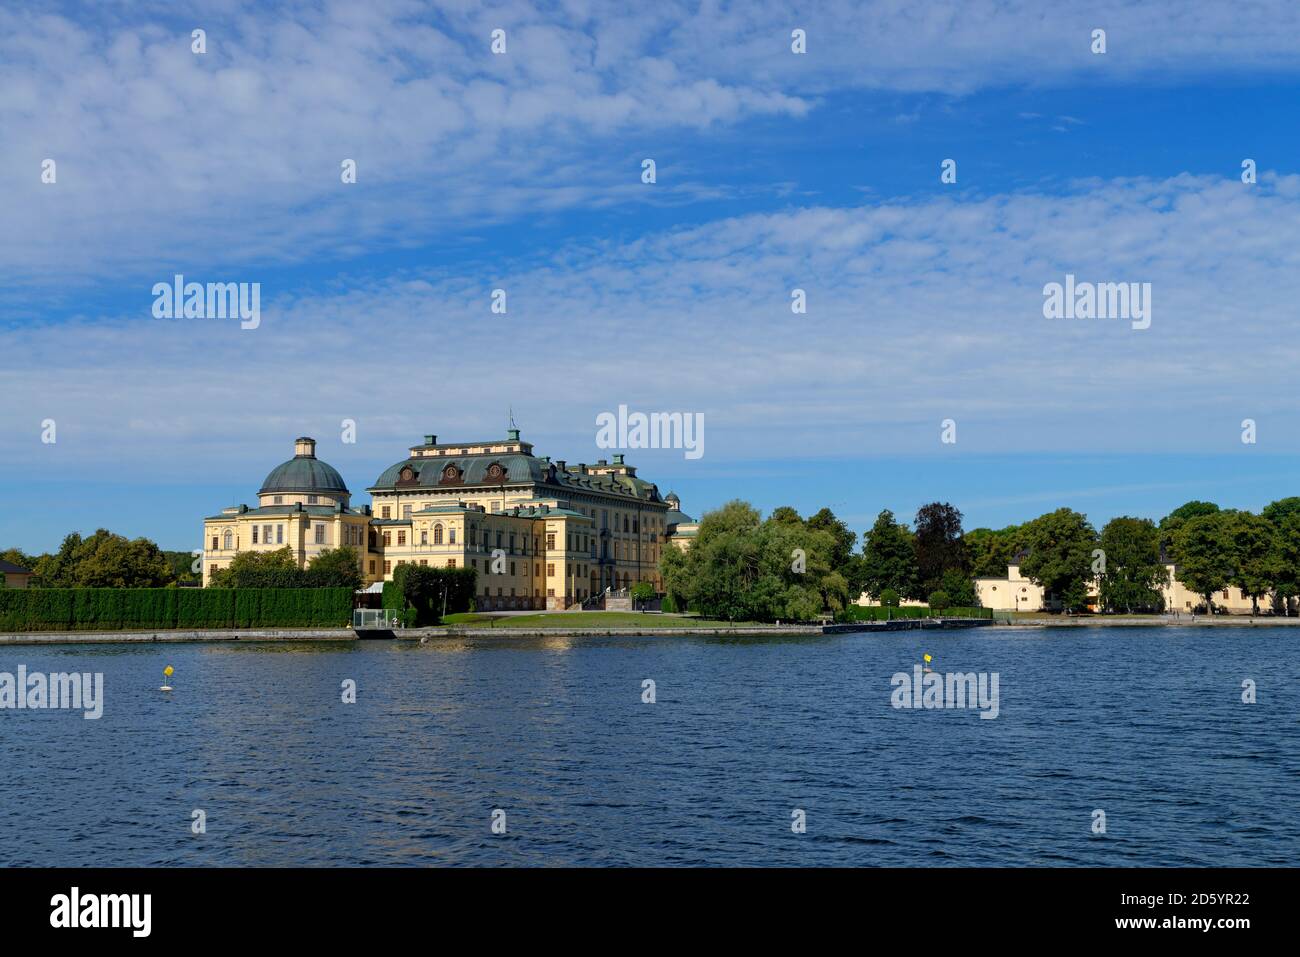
(775, 171)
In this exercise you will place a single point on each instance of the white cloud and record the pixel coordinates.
(918, 311)
(165, 156)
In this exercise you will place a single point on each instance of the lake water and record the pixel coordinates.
(1146, 724)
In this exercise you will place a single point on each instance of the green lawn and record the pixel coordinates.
(583, 619)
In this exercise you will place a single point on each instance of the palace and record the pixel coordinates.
(541, 534)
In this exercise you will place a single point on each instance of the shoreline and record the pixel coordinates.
(156, 636)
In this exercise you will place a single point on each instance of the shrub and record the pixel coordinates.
(939, 600)
(889, 598)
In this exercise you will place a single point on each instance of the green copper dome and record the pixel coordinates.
(305, 473)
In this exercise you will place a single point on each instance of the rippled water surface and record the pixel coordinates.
(1146, 724)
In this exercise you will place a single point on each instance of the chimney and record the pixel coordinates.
(304, 448)
(618, 459)
(430, 440)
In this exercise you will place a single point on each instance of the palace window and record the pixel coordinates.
(311, 499)
(550, 593)
(424, 536)
(266, 534)
(401, 538)
(227, 539)
(372, 566)
(512, 568)
(388, 538)
(214, 543)
(437, 534)
(451, 536)
(388, 567)
(279, 500)
(254, 534)
(386, 512)
(320, 533)
(279, 534)
(550, 568)
(550, 541)
(451, 563)
(406, 511)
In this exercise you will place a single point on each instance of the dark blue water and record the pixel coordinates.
(1145, 724)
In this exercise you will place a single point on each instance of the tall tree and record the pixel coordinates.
(1254, 555)
(1286, 542)
(889, 558)
(844, 538)
(1133, 572)
(785, 515)
(104, 560)
(335, 568)
(939, 545)
(1175, 520)
(1060, 557)
(1203, 549)
(990, 551)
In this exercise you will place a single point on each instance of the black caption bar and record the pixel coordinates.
(140, 906)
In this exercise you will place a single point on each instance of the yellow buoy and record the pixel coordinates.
(167, 673)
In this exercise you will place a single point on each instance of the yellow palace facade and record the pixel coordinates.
(540, 533)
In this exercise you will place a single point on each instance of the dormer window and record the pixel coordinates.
(496, 473)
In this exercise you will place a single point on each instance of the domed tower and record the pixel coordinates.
(304, 478)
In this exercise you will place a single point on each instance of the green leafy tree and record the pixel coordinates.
(938, 541)
(939, 600)
(105, 560)
(1060, 557)
(181, 565)
(1133, 572)
(844, 539)
(335, 568)
(889, 558)
(248, 569)
(785, 515)
(1254, 555)
(889, 598)
(642, 592)
(744, 569)
(990, 551)
(1204, 551)
(960, 589)
(1175, 520)
(1286, 543)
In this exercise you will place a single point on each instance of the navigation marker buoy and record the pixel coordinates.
(928, 659)
(167, 672)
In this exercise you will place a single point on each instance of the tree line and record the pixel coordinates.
(108, 560)
(741, 566)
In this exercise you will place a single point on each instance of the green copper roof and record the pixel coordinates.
(304, 473)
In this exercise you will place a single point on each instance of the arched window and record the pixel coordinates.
(228, 540)
(437, 534)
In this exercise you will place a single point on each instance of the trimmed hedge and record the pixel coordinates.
(106, 609)
(878, 613)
